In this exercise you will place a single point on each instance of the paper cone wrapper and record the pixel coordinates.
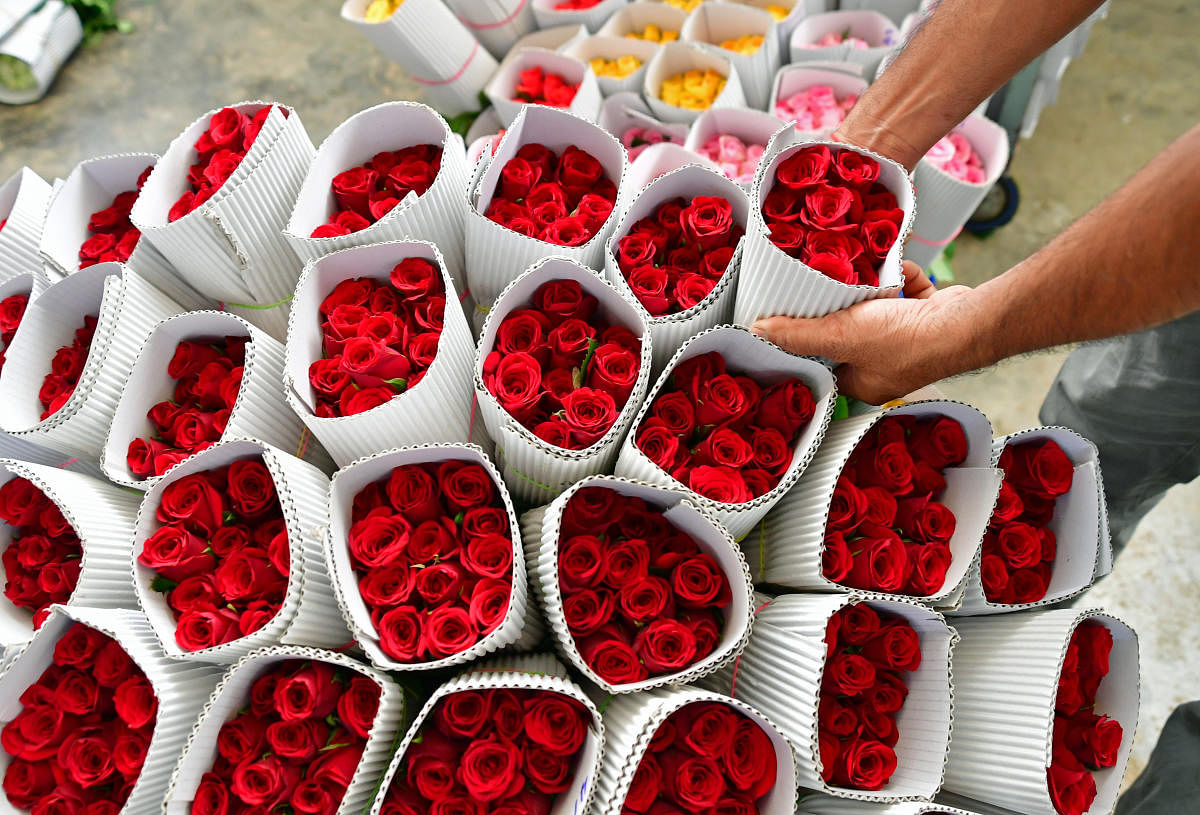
(309, 613)
(541, 530)
(435, 216)
(497, 24)
(24, 198)
(780, 673)
(751, 126)
(535, 470)
(439, 408)
(627, 109)
(610, 48)
(1006, 673)
(631, 721)
(792, 79)
(796, 11)
(947, 202)
(818, 804)
(659, 159)
(676, 58)
(894, 10)
(767, 364)
(433, 47)
(557, 38)
(1080, 527)
(33, 284)
(532, 672)
(547, 16)
(43, 41)
(180, 688)
(502, 86)
(775, 283)
(260, 412)
(24, 450)
(91, 186)
(713, 23)
(789, 549)
(871, 26)
(232, 247)
(231, 695)
(521, 627)
(673, 330)
(495, 254)
(127, 308)
(634, 17)
(102, 516)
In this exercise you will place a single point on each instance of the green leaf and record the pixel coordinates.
(162, 584)
(400, 385)
(593, 344)
(841, 408)
(228, 517)
(458, 519)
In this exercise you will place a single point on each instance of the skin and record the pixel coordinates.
(1088, 283)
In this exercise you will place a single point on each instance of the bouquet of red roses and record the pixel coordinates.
(378, 339)
(219, 151)
(1083, 742)
(12, 309)
(561, 368)
(207, 376)
(1019, 548)
(364, 194)
(537, 86)
(65, 369)
(112, 235)
(869, 656)
(43, 558)
(83, 730)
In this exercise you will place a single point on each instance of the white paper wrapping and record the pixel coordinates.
(609, 47)
(535, 470)
(1006, 673)
(501, 87)
(669, 332)
(527, 672)
(558, 38)
(780, 673)
(817, 804)
(895, 10)
(947, 202)
(796, 11)
(631, 721)
(1080, 527)
(102, 516)
(767, 364)
(547, 16)
(90, 187)
(775, 283)
(309, 614)
(871, 26)
(659, 159)
(750, 126)
(788, 550)
(521, 627)
(180, 688)
(676, 58)
(230, 696)
(260, 411)
(627, 109)
(43, 41)
(440, 408)
(23, 201)
(32, 284)
(844, 78)
(713, 23)
(435, 216)
(126, 307)
(541, 530)
(633, 19)
(434, 48)
(232, 247)
(496, 254)
(497, 24)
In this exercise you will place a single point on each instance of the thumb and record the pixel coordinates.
(814, 336)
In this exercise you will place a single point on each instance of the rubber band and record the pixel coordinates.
(737, 662)
(252, 307)
(68, 463)
(466, 293)
(482, 309)
(946, 242)
(603, 706)
(304, 437)
(505, 21)
(454, 78)
(523, 477)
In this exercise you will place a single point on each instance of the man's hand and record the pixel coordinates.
(887, 347)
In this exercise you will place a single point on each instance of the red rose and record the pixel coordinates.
(516, 382)
(698, 582)
(578, 171)
(193, 500)
(646, 786)
(786, 407)
(589, 413)
(176, 554)
(750, 760)
(400, 633)
(555, 722)
(352, 188)
(826, 206)
(650, 285)
(865, 765)
(432, 540)
(930, 563)
(465, 485)
(264, 782)
(707, 222)
(634, 250)
(720, 484)
(880, 235)
(414, 495)
(86, 757)
(586, 610)
(941, 442)
(439, 583)
(431, 766)
(1019, 544)
(709, 728)
(449, 630)
(1072, 787)
(804, 168)
(896, 647)
(695, 782)
(251, 488)
(1039, 468)
(212, 796)
(881, 562)
(626, 562)
(199, 628)
(490, 769)
(581, 562)
(135, 702)
(309, 692)
(612, 659)
(378, 540)
(489, 604)
(416, 278)
(248, 574)
(889, 466)
(297, 740)
(646, 600)
(855, 169)
(849, 674)
(665, 646)
(1095, 740)
(614, 370)
(549, 772)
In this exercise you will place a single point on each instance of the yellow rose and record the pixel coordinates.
(778, 12)
(746, 45)
(380, 10)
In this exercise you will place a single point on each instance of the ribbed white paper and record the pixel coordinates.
(788, 550)
(180, 688)
(535, 470)
(1006, 672)
(817, 804)
(497, 24)
(547, 16)
(230, 696)
(714, 23)
(23, 201)
(633, 19)
(608, 47)
(676, 58)
(521, 628)
(767, 364)
(102, 516)
(780, 673)
(501, 87)
(439, 408)
(774, 283)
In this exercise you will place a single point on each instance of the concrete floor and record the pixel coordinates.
(1131, 93)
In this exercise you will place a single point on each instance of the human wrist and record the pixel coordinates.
(874, 134)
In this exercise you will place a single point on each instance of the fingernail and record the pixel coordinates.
(758, 330)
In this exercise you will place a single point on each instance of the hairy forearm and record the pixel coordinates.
(1131, 263)
(965, 52)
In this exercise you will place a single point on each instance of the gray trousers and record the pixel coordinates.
(1138, 398)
